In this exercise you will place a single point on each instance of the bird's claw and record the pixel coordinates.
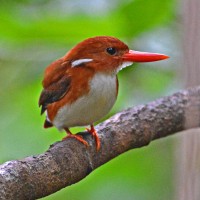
(77, 137)
(93, 132)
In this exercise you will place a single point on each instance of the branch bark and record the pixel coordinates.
(68, 161)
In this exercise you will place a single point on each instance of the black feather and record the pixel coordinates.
(54, 92)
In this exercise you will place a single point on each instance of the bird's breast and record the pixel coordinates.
(92, 106)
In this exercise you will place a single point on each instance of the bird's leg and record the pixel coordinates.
(78, 137)
(94, 135)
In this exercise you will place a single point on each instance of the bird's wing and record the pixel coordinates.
(56, 84)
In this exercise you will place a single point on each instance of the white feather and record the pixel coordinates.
(47, 117)
(80, 61)
(123, 65)
(91, 107)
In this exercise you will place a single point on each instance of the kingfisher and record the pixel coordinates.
(82, 86)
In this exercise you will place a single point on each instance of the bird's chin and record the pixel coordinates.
(123, 65)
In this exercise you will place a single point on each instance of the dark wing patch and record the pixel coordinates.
(47, 124)
(54, 92)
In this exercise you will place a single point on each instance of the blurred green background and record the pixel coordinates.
(35, 33)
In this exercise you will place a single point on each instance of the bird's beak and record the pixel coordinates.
(137, 56)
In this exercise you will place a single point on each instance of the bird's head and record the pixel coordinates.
(107, 55)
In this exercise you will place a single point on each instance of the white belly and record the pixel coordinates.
(90, 107)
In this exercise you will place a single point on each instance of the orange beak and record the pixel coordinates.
(137, 56)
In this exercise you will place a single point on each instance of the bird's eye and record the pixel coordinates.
(111, 50)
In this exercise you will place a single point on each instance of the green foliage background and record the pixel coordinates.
(35, 33)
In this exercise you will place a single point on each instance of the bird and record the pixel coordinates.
(81, 87)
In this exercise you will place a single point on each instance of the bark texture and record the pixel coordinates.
(69, 161)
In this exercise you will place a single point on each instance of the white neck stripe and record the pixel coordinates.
(81, 61)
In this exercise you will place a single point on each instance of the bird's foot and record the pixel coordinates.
(77, 137)
(93, 132)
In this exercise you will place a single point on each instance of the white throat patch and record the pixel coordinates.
(81, 61)
(123, 65)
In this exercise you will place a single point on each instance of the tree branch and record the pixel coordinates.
(68, 161)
